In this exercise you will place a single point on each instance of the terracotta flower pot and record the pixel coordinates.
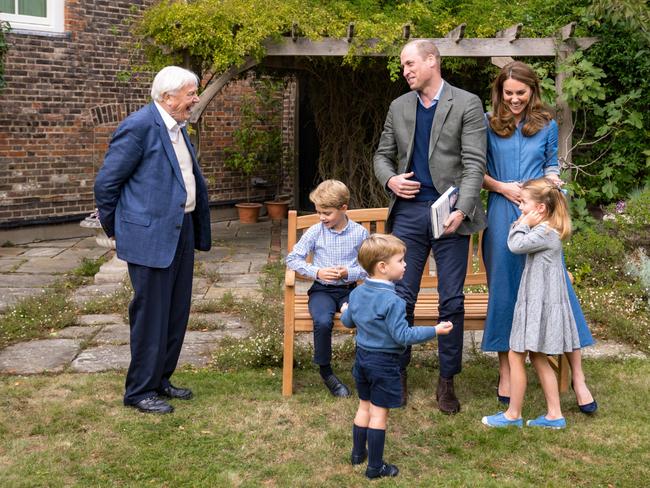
(277, 210)
(248, 212)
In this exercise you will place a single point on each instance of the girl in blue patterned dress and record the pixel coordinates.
(522, 145)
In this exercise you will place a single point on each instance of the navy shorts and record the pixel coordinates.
(377, 377)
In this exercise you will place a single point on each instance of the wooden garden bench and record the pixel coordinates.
(296, 313)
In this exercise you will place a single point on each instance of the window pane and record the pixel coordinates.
(36, 8)
(8, 6)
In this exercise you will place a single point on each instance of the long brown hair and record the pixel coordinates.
(543, 190)
(536, 114)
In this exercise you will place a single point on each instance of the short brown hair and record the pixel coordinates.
(379, 247)
(330, 193)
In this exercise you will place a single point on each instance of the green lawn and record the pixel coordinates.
(71, 430)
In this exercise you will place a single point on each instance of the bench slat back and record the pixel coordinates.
(374, 220)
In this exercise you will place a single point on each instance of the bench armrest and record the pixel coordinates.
(289, 278)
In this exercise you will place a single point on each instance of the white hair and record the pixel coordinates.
(171, 79)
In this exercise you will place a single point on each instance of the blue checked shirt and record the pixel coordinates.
(329, 248)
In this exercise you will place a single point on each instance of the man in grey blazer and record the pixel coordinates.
(434, 137)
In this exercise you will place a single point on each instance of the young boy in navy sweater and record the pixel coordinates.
(334, 243)
(382, 335)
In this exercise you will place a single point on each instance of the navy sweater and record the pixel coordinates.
(420, 156)
(380, 318)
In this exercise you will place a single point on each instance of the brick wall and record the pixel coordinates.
(62, 102)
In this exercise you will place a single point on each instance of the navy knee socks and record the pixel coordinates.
(376, 441)
(359, 436)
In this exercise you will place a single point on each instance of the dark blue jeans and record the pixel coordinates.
(411, 222)
(324, 302)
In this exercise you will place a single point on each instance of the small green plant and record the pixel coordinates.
(117, 302)
(257, 142)
(4, 47)
(34, 316)
(89, 267)
(204, 323)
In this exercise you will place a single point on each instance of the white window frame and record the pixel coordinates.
(54, 22)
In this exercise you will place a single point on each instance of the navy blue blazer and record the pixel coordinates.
(140, 193)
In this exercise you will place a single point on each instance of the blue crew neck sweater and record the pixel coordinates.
(420, 156)
(380, 318)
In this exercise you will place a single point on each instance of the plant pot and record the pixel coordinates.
(248, 212)
(277, 210)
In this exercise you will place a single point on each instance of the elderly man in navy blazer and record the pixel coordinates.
(153, 200)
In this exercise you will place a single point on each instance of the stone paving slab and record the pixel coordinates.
(80, 253)
(11, 251)
(197, 354)
(216, 292)
(62, 243)
(92, 292)
(102, 358)
(42, 265)
(10, 296)
(76, 332)
(229, 267)
(88, 242)
(116, 334)
(24, 280)
(100, 319)
(44, 252)
(41, 356)
(238, 280)
(10, 264)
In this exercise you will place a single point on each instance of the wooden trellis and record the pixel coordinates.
(502, 48)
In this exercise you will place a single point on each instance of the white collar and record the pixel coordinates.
(169, 121)
(436, 98)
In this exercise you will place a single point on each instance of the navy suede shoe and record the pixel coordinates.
(386, 470)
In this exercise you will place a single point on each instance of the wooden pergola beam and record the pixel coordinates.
(472, 47)
(457, 33)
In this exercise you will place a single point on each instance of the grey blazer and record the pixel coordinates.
(457, 149)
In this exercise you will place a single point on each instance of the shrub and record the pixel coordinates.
(594, 257)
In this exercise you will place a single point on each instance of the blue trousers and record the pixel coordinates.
(158, 317)
(411, 222)
(324, 302)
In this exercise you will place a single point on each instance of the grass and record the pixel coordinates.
(71, 430)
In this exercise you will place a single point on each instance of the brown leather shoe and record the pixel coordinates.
(405, 388)
(447, 401)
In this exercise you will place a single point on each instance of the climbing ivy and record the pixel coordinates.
(4, 47)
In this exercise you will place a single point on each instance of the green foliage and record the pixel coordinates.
(220, 33)
(594, 257)
(33, 316)
(4, 47)
(89, 267)
(257, 142)
(609, 87)
(631, 219)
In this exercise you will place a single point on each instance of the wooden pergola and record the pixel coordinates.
(506, 45)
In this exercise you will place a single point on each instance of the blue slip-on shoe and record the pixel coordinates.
(500, 420)
(542, 421)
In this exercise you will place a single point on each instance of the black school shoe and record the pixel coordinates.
(153, 404)
(336, 387)
(173, 392)
(356, 459)
(386, 470)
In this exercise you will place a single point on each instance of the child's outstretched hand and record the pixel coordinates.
(344, 307)
(444, 328)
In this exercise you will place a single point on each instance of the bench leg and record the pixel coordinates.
(287, 366)
(564, 370)
(560, 365)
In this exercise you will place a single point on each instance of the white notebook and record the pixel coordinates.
(440, 210)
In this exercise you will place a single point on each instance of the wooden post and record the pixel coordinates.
(457, 33)
(564, 116)
(512, 33)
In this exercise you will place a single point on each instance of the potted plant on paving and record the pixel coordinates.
(257, 142)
